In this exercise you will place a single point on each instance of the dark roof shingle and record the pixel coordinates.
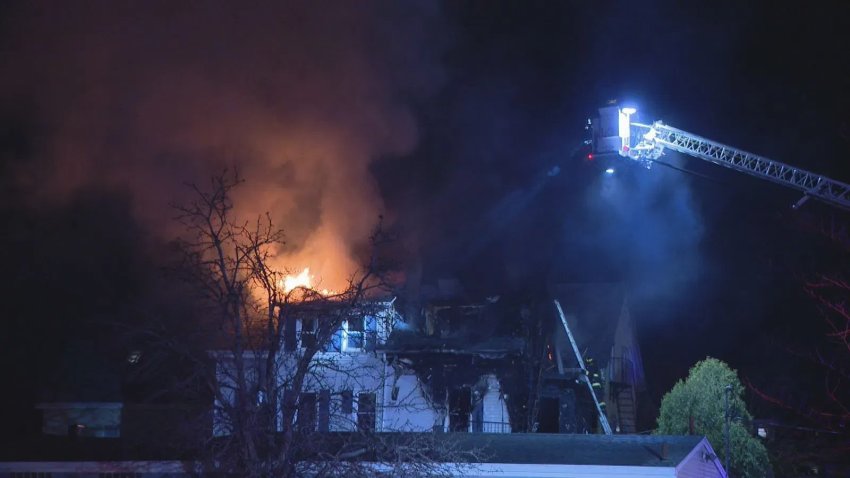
(568, 449)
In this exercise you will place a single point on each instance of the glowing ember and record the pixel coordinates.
(303, 279)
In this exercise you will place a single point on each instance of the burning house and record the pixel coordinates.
(459, 364)
(378, 372)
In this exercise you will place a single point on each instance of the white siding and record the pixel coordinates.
(366, 372)
(410, 411)
(496, 418)
(702, 462)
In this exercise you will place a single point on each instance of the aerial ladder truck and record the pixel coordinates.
(614, 133)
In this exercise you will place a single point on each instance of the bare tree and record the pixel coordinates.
(819, 415)
(268, 356)
(831, 294)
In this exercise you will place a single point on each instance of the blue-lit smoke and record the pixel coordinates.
(641, 225)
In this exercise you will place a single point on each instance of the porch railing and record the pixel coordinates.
(490, 427)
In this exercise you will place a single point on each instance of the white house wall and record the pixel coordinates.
(411, 410)
(368, 372)
(496, 418)
(365, 372)
(702, 462)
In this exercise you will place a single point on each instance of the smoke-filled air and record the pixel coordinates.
(300, 99)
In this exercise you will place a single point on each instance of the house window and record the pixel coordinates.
(366, 404)
(290, 337)
(306, 420)
(347, 401)
(360, 334)
(309, 327)
(353, 336)
(324, 410)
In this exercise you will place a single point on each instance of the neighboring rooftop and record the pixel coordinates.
(569, 449)
(528, 448)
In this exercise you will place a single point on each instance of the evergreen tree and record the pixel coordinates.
(697, 406)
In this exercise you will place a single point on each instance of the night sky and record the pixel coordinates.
(444, 118)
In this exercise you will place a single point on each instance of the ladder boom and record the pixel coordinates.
(614, 132)
(815, 185)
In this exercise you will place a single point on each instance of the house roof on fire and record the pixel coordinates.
(593, 312)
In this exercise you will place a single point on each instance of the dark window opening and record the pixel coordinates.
(366, 405)
(355, 325)
(548, 417)
(306, 420)
(290, 340)
(460, 406)
(324, 410)
(347, 401)
(309, 327)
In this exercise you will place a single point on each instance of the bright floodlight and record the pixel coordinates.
(609, 171)
(629, 111)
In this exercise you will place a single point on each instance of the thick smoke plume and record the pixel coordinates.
(144, 96)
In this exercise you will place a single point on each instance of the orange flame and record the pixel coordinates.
(304, 279)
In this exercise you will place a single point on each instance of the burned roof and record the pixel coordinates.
(593, 312)
(460, 326)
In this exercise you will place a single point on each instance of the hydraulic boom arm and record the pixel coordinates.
(651, 140)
